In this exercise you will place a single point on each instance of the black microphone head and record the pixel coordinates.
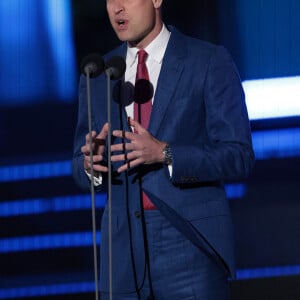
(123, 93)
(92, 64)
(143, 91)
(115, 67)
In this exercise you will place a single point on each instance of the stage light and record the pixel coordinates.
(47, 241)
(47, 205)
(47, 290)
(37, 52)
(276, 143)
(273, 98)
(266, 272)
(35, 171)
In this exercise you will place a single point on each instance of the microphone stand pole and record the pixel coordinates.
(92, 186)
(109, 184)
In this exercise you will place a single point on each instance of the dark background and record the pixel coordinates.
(263, 38)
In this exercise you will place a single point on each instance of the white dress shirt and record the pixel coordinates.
(156, 50)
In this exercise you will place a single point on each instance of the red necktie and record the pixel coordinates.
(142, 112)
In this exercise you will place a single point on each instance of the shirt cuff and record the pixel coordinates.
(170, 170)
(97, 180)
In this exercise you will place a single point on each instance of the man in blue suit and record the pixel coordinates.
(171, 226)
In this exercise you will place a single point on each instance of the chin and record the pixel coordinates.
(123, 37)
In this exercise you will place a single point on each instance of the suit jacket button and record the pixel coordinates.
(137, 214)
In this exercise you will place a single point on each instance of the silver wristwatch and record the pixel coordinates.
(168, 155)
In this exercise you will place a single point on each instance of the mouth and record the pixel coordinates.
(121, 23)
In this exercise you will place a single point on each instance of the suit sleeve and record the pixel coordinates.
(79, 173)
(226, 153)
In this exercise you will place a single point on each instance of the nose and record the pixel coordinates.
(118, 6)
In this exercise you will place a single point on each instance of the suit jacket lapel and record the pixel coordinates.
(172, 67)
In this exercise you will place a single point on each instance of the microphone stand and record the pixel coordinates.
(115, 68)
(92, 187)
(108, 75)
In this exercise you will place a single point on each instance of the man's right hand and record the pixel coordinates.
(98, 147)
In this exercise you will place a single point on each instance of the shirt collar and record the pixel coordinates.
(155, 49)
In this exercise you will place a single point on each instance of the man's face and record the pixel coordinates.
(135, 21)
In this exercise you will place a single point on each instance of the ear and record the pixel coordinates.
(157, 3)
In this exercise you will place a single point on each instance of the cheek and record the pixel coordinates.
(143, 21)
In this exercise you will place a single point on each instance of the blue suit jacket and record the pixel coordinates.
(199, 109)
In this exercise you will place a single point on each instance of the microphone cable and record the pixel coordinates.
(124, 94)
(145, 238)
(143, 92)
(121, 111)
(115, 68)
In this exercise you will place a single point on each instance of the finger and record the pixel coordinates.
(100, 168)
(124, 168)
(119, 157)
(124, 134)
(96, 164)
(122, 147)
(136, 125)
(95, 159)
(87, 136)
(86, 148)
(129, 165)
(104, 132)
(97, 169)
(127, 156)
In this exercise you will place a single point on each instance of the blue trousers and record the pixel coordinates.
(178, 269)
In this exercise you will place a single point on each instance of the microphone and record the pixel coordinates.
(92, 65)
(115, 67)
(123, 93)
(143, 91)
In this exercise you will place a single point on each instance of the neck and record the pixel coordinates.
(144, 42)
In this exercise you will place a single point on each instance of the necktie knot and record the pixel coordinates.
(142, 56)
(143, 91)
(142, 72)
